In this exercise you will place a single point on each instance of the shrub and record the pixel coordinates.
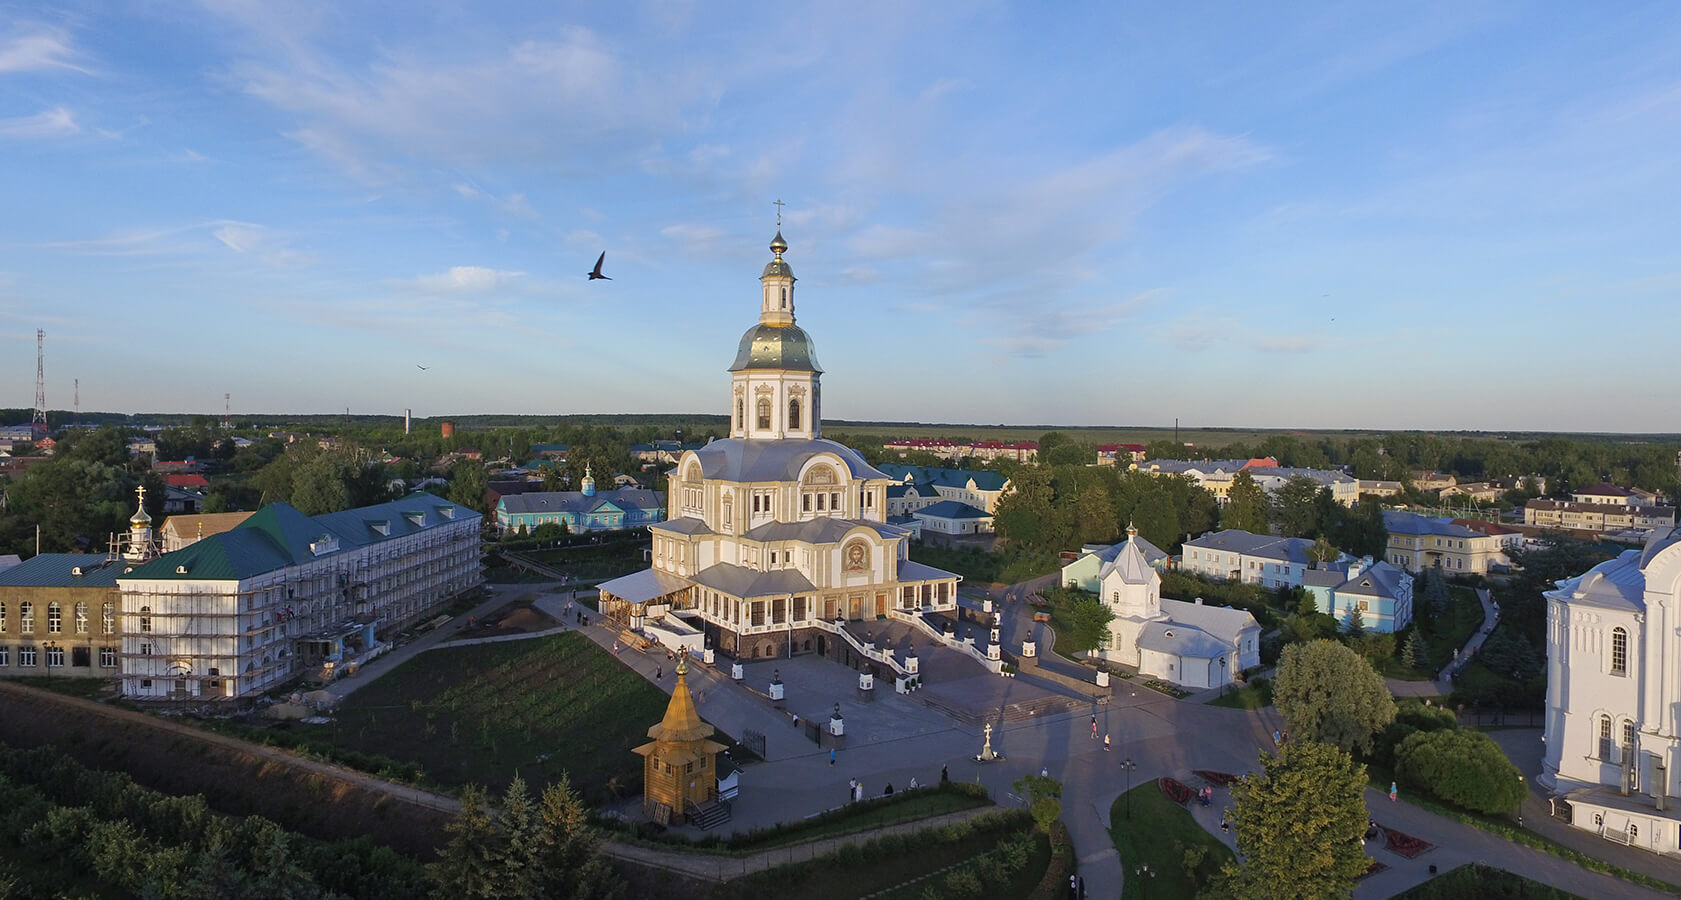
(1465, 768)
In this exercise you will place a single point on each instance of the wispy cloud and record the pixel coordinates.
(48, 123)
(261, 243)
(513, 204)
(37, 48)
(460, 280)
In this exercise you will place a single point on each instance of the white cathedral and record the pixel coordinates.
(1613, 695)
(1189, 644)
(774, 534)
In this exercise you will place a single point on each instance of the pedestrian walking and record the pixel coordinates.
(944, 775)
(1044, 771)
(913, 783)
(887, 791)
(1391, 792)
(1225, 826)
(659, 672)
(1094, 728)
(1276, 738)
(831, 756)
(1106, 742)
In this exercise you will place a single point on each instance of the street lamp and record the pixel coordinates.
(1144, 873)
(1128, 765)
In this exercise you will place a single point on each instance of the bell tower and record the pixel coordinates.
(774, 391)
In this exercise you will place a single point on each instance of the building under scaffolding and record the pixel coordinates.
(284, 594)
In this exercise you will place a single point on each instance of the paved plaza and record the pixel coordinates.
(895, 738)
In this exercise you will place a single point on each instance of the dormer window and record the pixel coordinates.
(417, 519)
(448, 512)
(324, 544)
(382, 527)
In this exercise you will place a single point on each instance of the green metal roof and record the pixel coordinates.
(278, 536)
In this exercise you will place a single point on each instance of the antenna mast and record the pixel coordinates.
(227, 411)
(76, 409)
(38, 426)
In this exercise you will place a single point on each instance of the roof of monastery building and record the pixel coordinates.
(779, 460)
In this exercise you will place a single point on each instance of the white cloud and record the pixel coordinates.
(462, 280)
(692, 237)
(42, 48)
(49, 123)
(259, 242)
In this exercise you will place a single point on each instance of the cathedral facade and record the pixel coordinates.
(775, 535)
(1613, 742)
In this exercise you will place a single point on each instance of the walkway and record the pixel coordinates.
(1442, 686)
(719, 867)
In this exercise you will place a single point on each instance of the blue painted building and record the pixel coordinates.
(581, 511)
(1381, 592)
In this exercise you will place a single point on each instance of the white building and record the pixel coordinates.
(1189, 644)
(1264, 559)
(1613, 693)
(774, 533)
(282, 593)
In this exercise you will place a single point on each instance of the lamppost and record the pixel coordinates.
(1128, 765)
(1144, 873)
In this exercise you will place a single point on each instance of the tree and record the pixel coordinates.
(1299, 822)
(1044, 795)
(1464, 767)
(1298, 507)
(1087, 621)
(1409, 650)
(1329, 694)
(1356, 626)
(470, 864)
(1026, 516)
(322, 485)
(1247, 507)
(1093, 512)
(468, 483)
(565, 856)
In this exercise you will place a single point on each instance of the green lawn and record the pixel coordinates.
(1157, 833)
(1484, 883)
(481, 713)
(1251, 696)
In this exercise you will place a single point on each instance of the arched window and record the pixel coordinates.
(794, 414)
(145, 619)
(764, 413)
(740, 416)
(2, 617)
(1628, 737)
(1605, 738)
(784, 298)
(55, 618)
(108, 618)
(26, 617)
(82, 618)
(1619, 652)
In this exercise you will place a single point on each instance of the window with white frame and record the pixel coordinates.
(145, 619)
(108, 618)
(5, 655)
(82, 618)
(26, 656)
(1619, 651)
(55, 618)
(55, 657)
(26, 617)
(107, 657)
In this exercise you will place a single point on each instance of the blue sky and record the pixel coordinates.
(1455, 215)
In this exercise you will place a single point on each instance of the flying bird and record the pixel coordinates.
(421, 367)
(596, 273)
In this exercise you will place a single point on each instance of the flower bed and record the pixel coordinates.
(1218, 779)
(1403, 843)
(1167, 688)
(1372, 869)
(1176, 791)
